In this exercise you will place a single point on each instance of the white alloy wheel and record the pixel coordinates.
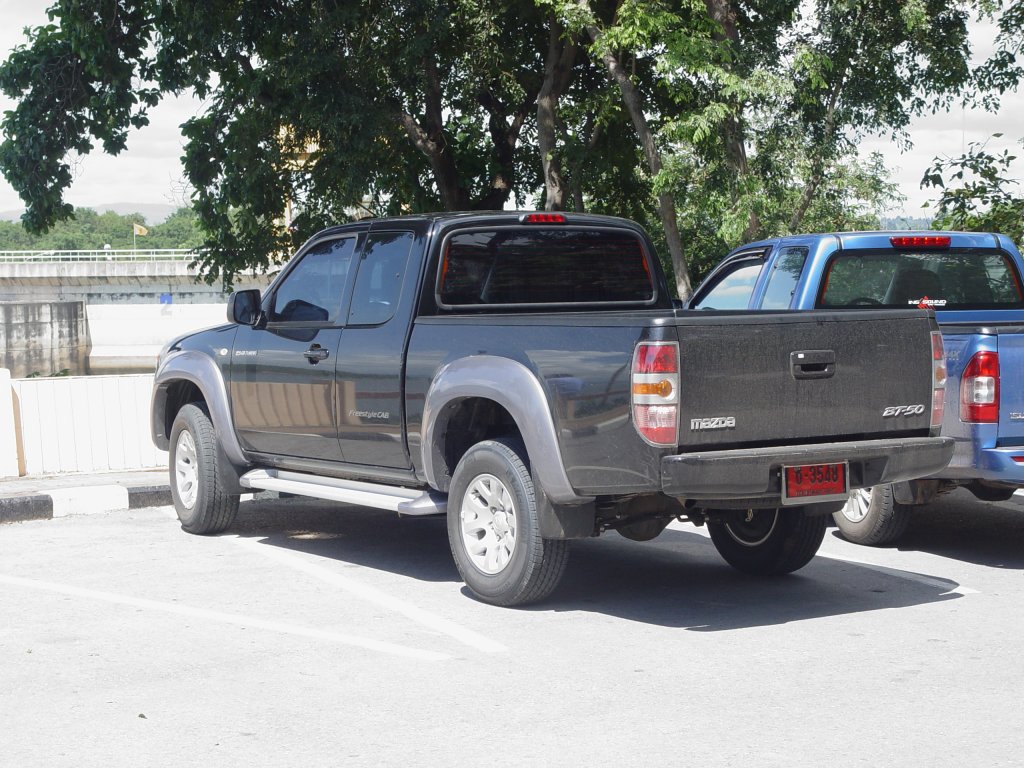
(488, 520)
(856, 508)
(186, 469)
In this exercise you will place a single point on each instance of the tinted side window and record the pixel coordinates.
(379, 279)
(732, 288)
(785, 275)
(313, 291)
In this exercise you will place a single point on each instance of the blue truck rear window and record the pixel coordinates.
(551, 266)
(958, 278)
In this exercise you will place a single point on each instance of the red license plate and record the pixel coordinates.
(820, 481)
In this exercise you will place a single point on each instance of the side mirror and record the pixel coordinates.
(244, 307)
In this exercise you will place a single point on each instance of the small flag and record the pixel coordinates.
(138, 229)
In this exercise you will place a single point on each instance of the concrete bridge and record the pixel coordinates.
(107, 311)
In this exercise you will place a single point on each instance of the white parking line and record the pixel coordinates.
(381, 599)
(226, 618)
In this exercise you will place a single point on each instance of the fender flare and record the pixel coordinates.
(516, 389)
(201, 370)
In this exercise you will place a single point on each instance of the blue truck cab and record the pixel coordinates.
(971, 281)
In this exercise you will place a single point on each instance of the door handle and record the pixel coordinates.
(812, 364)
(315, 354)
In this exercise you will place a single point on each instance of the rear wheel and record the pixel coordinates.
(196, 483)
(494, 531)
(768, 542)
(872, 516)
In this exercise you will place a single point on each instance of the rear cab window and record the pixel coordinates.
(504, 267)
(953, 279)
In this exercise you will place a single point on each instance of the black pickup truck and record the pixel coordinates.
(529, 376)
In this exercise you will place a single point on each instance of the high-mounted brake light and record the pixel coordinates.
(543, 218)
(979, 389)
(920, 241)
(938, 380)
(655, 392)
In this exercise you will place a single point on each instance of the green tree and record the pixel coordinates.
(977, 192)
(88, 230)
(420, 105)
(701, 117)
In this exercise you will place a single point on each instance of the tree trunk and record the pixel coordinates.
(818, 162)
(557, 74)
(431, 141)
(733, 135)
(666, 202)
(505, 137)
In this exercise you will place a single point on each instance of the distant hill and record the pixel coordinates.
(154, 213)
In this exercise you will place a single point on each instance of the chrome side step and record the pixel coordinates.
(404, 501)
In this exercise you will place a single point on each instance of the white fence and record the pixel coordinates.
(80, 424)
(115, 254)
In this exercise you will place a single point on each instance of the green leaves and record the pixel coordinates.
(316, 112)
(978, 192)
(88, 78)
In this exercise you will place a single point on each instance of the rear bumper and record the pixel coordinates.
(973, 461)
(995, 465)
(756, 473)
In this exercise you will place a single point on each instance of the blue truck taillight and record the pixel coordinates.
(655, 392)
(979, 389)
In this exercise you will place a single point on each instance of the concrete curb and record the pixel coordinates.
(16, 509)
(74, 501)
(81, 500)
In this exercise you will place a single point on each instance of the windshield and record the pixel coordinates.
(959, 278)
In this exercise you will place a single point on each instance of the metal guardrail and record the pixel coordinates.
(126, 254)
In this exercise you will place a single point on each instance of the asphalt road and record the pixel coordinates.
(322, 636)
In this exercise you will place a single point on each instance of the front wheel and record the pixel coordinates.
(872, 516)
(768, 542)
(494, 531)
(197, 486)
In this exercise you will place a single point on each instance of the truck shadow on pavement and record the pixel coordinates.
(677, 580)
(961, 527)
(416, 547)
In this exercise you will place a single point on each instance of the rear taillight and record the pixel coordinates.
(655, 392)
(938, 379)
(979, 389)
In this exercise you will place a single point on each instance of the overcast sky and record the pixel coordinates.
(149, 170)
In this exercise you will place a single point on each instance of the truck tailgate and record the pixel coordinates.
(803, 377)
(1011, 396)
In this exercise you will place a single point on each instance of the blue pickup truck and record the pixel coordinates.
(972, 281)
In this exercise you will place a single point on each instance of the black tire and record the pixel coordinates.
(501, 563)
(872, 517)
(768, 542)
(196, 483)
